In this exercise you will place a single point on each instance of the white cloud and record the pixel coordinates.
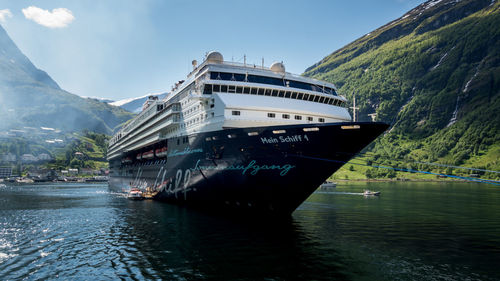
(58, 18)
(4, 14)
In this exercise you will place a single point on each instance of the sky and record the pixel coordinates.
(118, 49)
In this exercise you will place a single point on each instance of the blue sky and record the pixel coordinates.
(119, 49)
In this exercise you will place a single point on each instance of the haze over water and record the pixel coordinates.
(414, 231)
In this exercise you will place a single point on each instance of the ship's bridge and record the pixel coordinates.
(243, 95)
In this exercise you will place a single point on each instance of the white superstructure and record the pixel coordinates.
(217, 95)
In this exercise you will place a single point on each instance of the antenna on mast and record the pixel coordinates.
(373, 116)
(245, 60)
(262, 62)
(354, 108)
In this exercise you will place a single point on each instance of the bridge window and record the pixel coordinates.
(298, 117)
(285, 116)
(271, 115)
(271, 81)
(207, 90)
(322, 120)
(236, 112)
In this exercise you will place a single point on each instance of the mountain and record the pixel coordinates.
(30, 97)
(135, 104)
(99, 99)
(434, 74)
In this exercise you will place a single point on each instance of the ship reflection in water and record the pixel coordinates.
(77, 231)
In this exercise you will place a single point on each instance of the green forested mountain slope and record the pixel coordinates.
(29, 97)
(434, 74)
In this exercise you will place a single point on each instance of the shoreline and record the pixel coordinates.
(402, 180)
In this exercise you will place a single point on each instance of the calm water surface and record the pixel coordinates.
(423, 231)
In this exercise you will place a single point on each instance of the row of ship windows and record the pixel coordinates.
(159, 108)
(192, 110)
(209, 89)
(249, 78)
(284, 116)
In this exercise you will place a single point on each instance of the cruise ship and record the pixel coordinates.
(238, 136)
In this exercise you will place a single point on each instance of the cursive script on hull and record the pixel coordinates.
(252, 168)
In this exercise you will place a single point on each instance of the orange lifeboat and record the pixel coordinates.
(148, 155)
(161, 152)
(127, 160)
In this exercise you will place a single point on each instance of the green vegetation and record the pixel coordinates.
(436, 78)
(83, 150)
(87, 151)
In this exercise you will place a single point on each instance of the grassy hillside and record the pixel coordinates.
(82, 150)
(434, 74)
(88, 150)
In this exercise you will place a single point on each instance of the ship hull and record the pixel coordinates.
(259, 170)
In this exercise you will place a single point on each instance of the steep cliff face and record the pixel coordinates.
(434, 74)
(30, 97)
(15, 66)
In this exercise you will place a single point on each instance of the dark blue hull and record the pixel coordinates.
(263, 169)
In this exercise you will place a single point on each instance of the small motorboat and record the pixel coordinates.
(135, 194)
(371, 193)
(328, 185)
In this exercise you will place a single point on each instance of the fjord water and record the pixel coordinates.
(413, 231)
